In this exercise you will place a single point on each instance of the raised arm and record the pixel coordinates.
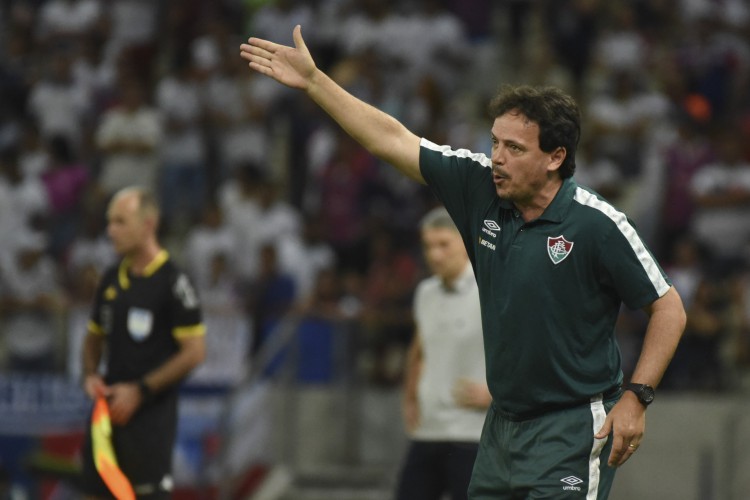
(379, 133)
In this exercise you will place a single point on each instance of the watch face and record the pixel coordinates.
(647, 394)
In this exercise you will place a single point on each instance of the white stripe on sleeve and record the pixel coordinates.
(644, 257)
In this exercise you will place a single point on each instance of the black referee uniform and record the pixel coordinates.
(142, 318)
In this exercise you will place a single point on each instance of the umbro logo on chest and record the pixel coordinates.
(491, 228)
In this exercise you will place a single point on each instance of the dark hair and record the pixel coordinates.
(553, 110)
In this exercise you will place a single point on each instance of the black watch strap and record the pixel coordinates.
(644, 392)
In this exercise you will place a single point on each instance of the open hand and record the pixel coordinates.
(292, 66)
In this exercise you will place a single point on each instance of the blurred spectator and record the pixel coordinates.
(698, 355)
(17, 70)
(275, 20)
(23, 200)
(94, 73)
(128, 137)
(431, 43)
(238, 200)
(257, 216)
(220, 294)
(477, 16)
(279, 220)
(683, 156)
(319, 332)
(595, 170)
(33, 155)
(711, 60)
(183, 149)
(619, 45)
(371, 24)
(209, 238)
(351, 301)
(57, 101)
(622, 118)
(269, 297)
(346, 183)
(306, 256)
(65, 182)
(573, 31)
(721, 192)
(237, 103)
(389, 283)
(518, 13)
(91, 247)
(696, 361)
(68, 21)
(134, 25)
(222, 302)
(31, 302)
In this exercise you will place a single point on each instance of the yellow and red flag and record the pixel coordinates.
(104, 453)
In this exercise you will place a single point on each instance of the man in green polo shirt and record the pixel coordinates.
(553, 262)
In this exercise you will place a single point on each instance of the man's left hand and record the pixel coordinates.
(627, 423)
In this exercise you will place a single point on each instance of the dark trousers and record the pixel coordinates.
(433, 468)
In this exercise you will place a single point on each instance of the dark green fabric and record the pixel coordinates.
(548, 319)
(544, 457)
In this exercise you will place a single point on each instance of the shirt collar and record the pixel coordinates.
(555, 211)
(150, 269)
(464, 281)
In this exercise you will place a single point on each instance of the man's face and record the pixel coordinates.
(444, 252)
(520, 169)
(126, 226)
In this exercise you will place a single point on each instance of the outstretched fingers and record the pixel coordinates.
(266, 45)
(255, 54)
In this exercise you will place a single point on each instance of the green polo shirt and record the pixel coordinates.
(550, 289)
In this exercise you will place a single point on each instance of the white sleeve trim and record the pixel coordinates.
(460, 153)
(644, 257)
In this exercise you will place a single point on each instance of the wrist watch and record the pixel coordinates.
(644, 392)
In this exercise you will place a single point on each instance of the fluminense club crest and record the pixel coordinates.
(558, 248)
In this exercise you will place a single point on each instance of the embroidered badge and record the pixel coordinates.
(558, 248)
(140, 322)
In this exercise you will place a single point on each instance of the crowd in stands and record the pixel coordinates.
(272, 209)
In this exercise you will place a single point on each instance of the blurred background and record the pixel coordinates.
(304, 247)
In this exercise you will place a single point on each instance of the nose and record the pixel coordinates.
(497, 156)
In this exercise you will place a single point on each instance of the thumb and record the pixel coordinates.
(298, 41)
(605, 430)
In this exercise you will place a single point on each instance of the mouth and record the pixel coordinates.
(498, 177)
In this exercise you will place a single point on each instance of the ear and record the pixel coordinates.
(556, 158)
(150, 222)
